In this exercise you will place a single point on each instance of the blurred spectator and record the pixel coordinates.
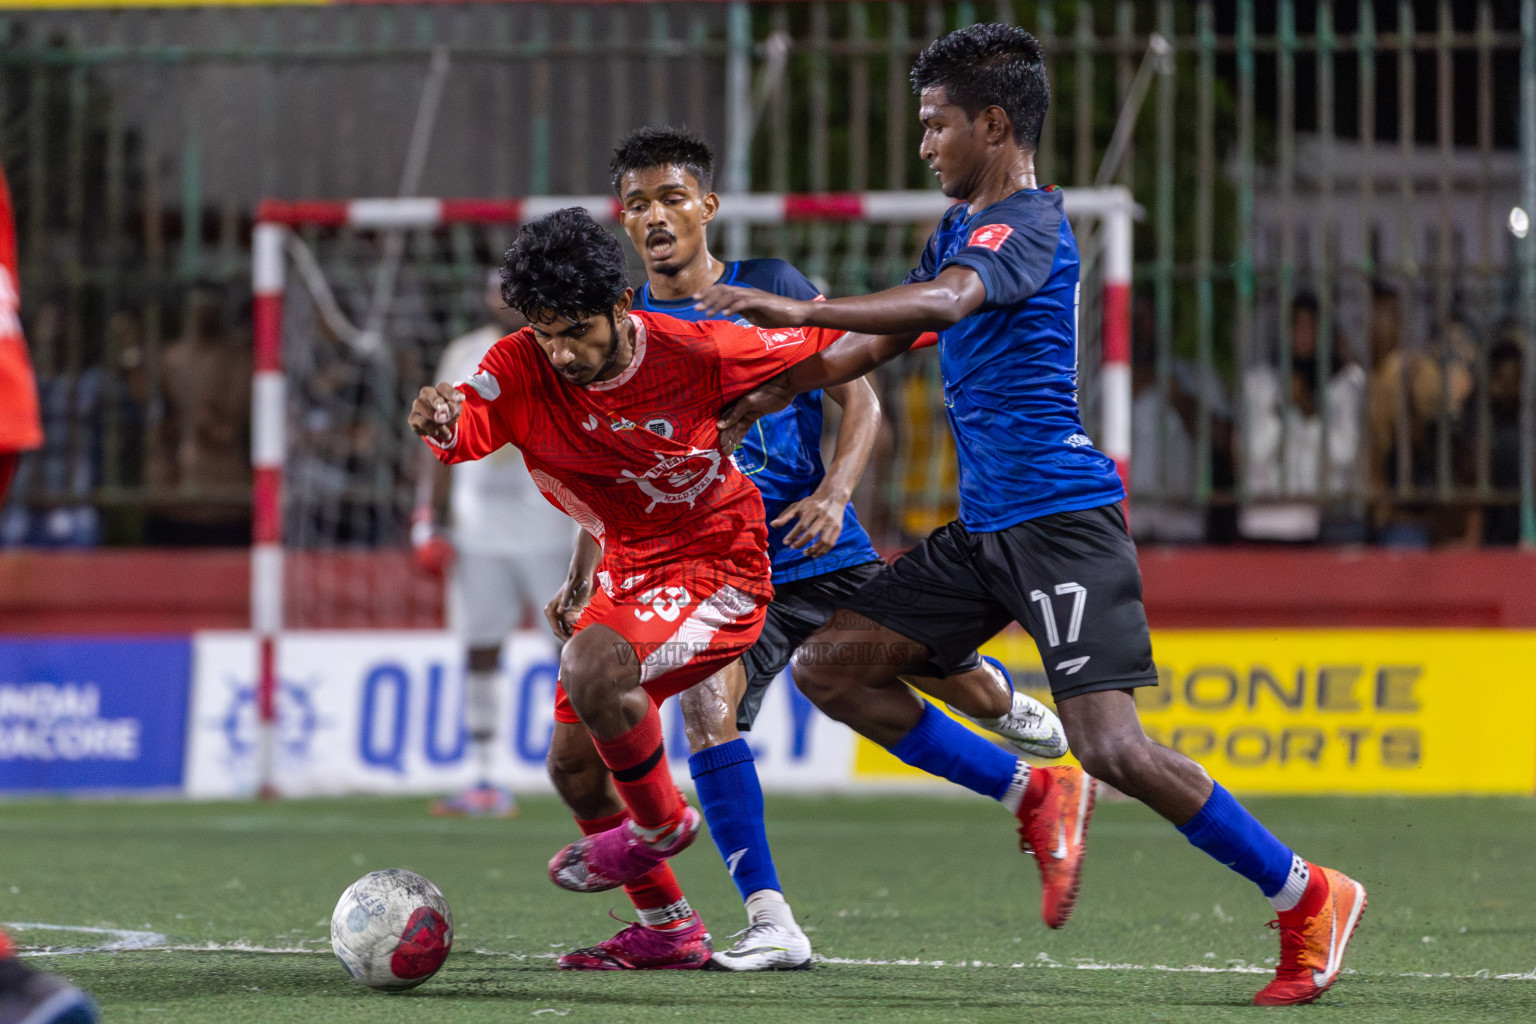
(199, 464)
(62, 477)
(1415, 398)
(1165, 465)
(1290, 456)
(1501, 521)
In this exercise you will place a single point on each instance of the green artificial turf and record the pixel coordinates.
(886, 879)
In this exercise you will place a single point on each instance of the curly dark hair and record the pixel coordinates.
(656, 147)
(566, 262)
(988, 65)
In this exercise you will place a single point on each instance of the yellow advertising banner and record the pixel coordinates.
(1325, 711)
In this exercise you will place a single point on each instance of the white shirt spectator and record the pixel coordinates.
(1287, 456)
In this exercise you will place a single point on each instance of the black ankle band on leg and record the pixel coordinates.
(635, 773)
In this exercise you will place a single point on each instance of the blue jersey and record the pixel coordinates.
(1010, 368)
(781, 454)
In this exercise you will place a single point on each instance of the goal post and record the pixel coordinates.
(281, 257)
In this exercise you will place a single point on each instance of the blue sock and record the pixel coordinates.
(732, 799)
(941, 746)
(1227, 832)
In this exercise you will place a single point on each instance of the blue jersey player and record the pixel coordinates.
(821, 556)
(1041, 539)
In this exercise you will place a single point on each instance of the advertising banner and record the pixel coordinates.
(1326, 711)
(92, 714)
(382, 712)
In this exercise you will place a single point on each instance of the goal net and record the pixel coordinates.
(356, 300)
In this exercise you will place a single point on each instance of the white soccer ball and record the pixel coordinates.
(392, 929)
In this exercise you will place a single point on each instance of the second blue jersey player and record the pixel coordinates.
(821, 553)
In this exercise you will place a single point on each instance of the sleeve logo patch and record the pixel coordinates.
(989, 236)
(781, 337)
(486, 385)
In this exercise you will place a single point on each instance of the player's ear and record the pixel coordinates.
(996, 125)
(621, 307)
(711, 203)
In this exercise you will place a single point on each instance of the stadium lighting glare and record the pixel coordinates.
(1519, 222)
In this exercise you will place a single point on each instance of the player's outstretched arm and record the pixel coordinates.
(847, 359)
(435, 412)
(912, 308)
(818, 517)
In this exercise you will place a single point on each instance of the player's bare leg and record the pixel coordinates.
(1318, 908)
(986, 696)
(482, 686)
(732, 799)
(669, 934)
(852, 671)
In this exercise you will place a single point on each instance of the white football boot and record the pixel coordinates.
(772, 942)
(1029, 726)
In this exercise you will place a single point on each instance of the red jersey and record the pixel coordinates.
(20, 427)
(633, 459)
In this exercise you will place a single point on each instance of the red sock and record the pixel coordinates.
(638, 761)
(6, 949)
(656, 895)
(1312, 898)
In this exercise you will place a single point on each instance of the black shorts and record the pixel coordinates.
(799, 609)
(1070, 579)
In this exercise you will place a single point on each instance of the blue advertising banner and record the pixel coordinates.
(87, 714)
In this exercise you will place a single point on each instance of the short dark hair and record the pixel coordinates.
(990, 65)
(1305, 301)
(566, 262)
(656, 147)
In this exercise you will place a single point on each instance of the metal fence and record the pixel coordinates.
(1329, 334)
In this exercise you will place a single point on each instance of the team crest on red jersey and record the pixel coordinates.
(677, 478)
(778, 337)
(989, 236)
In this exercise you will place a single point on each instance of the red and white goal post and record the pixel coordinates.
(1106, 213)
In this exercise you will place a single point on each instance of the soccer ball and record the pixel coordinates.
(392, 929)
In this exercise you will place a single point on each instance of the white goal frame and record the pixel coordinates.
(1112, 206)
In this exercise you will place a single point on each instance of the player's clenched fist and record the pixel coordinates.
(436, 411)
(565, 608)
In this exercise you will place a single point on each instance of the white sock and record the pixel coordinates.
(1016, 788)
(1295, 885)
(667, 918)
(480, 717)
(484, 749)
(769, 904)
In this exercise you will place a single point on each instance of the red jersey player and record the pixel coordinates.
(20, 427)
(614, 412)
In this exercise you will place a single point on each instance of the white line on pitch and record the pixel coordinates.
(152, 942)
(122, 938)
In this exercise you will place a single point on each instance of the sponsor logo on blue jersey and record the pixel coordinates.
(781, 454)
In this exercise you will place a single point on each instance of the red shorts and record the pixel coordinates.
(684, 624)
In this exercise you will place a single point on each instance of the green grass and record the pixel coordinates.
(1451, 888)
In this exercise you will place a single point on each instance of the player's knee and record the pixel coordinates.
(821, 684)
(590, 674)
(1120, 760)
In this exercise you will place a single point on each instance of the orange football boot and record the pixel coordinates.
(1053, 825)
(1313, 936)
